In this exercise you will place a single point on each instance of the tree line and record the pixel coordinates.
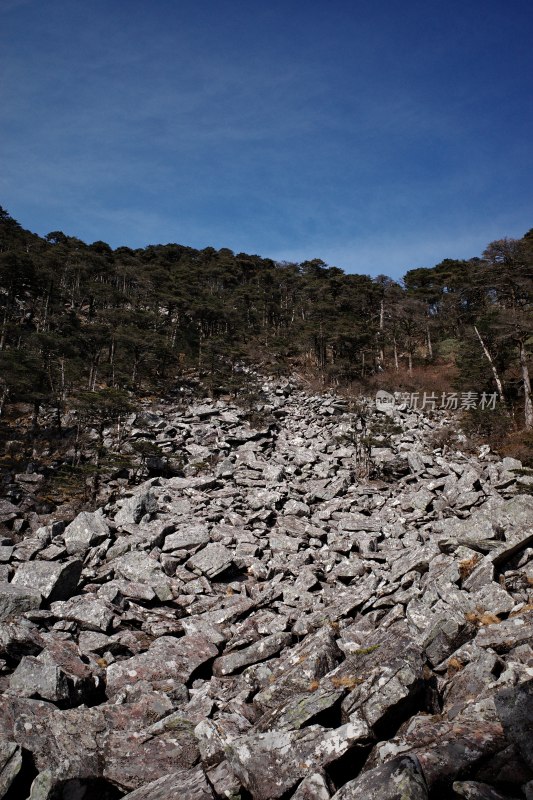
(78, 320)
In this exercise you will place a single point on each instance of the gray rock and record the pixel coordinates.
(43, 786)
(15, 600)
(211, 561)
(65, 742)
(270, 764)
(515, 710)
(89, 613)
(473, 790)
(134, 508)
(54, 580)
(10, 764)
(401, 779)
(166, 666)
(87, 530)
(140, 567)
(508, 634)
(32, 678)
(132, 759)
(314, 787)
(187, 537)
(261, 650)
(183, 784)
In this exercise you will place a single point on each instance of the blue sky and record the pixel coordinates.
(377, 135)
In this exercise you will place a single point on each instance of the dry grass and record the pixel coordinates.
(467, 566)
(454, 665)
(346, 682)
(479, 617)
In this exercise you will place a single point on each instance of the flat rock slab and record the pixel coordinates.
(299, 669)
(188, 784)
(269, 764)
(15, 600)
(445, 748)
(140, 567)
(300, 710)
(211, 561)
(32, 678)
(474, 790)
(259, 651)
(8, 511)
(131, 759)
(401, 779)
(90, 613)
(168, 664)
(186, 537)
(53, 579)
(508, 634)
(85, 531)
(198, 483)
(66, 742)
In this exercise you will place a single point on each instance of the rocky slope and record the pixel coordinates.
(307, 618)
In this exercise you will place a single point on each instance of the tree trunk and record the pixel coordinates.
(3, 397)
(528, 403)
(396, 364)
(429, 345)
(4, 329)
(492, 365)
(35, 415)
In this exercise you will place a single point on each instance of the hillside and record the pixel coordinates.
(87, 333)
(337, 608)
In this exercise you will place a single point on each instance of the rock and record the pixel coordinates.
(89, 613)
(261, 650)
(446, 748)
(277, 626)
(57, 674)
(132, 759)
(183, 784)
(18, 639)
(515, 710)
(401, 779)
(66, 742)
(54, 580)
(314, 787)
(15, 600)
(211, 561)
(10, 764)
(270, 764)
(134, 508)
(8, 511)
(504, 636)
(84, 532)
(43, 786)
(140, 567)
(187, 537)
(32, 678)
(473, 790)
(384, 679)
(166, 666)
(299, 669)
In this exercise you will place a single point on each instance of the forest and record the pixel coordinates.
(89, 330)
